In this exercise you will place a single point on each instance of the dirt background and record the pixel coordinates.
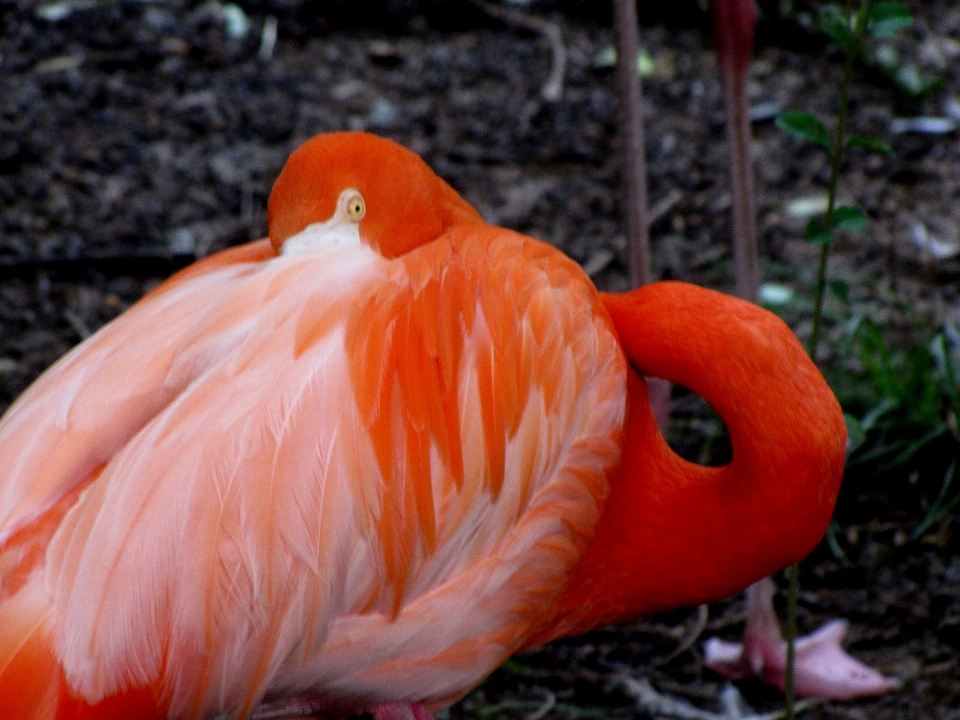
(138, 135)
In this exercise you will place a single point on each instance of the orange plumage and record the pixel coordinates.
(364, 461)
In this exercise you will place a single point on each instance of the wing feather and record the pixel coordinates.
(57, 433)
(345, 475)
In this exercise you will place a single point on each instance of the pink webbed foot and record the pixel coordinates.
(822, 668)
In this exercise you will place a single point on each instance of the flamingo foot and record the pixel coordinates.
(400, 711)
(821, 669)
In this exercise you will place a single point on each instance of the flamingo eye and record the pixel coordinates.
(356, 207)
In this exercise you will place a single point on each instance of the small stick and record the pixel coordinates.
(553, 88)
(703, 615)
(649, 701)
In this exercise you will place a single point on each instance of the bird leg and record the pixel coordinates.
(822, 669)
(400, 711)
(314, 707)
(290, 708)
(659, 391)
(733, 29)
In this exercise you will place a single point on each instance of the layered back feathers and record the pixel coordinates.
(286, 474)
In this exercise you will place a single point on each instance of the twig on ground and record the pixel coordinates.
(650, 701)
(574, 711)
(283, 709)
(664, 205)
(549, 703)
(598, 262)
(703, 614)
(77, 323)
(553, 88)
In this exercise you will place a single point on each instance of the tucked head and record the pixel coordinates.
(358, 182)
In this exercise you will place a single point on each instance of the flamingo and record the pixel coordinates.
(356, 465)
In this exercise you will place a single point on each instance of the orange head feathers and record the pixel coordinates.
(395, 199)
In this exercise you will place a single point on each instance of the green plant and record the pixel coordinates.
(896, 402)
(877, 51)
(900, 406)
(849, 29)
(887, 19)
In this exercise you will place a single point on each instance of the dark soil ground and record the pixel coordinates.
(138, 135)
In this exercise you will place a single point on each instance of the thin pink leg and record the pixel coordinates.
(400, 711)
(659, 390)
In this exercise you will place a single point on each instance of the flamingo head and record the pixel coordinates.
(353, 187)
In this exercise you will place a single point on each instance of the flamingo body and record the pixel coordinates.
(359, 462)
(273, 473)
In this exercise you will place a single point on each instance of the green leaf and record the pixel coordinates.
(941, 506)
(512, 666)
(856, 433)
(839, 289)
(605, 58)
(850, 331)
(914, 447)
(804, 125)
(886, 18)
(831, 536)
(911, 80)
(817, 233)
(837, 26)
(870, 143)
(847, 217)
(885, 406)
(886, 57)
(949, 372)
(951, 339)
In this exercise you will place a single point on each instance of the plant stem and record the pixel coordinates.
(836, 155)
(793, 590)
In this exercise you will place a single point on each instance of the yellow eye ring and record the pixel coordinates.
(356, 207)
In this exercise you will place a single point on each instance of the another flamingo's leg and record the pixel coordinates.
(307, 707)
(400, 711)
(822, 669)
(659, 390)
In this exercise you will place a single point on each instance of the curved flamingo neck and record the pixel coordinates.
(674, 533)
